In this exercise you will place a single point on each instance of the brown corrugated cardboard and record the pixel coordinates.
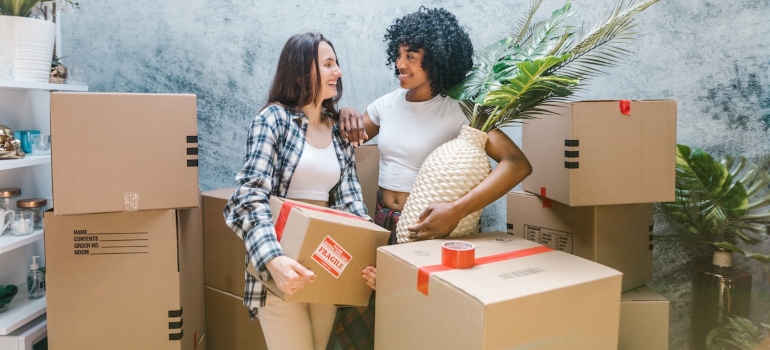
(114, 152)
(125, 280)
(227, 323)
(618, 236)
(332, 243)
(546, 300)
(368, 169)
(224, 251)
(590, 153)
(644, 318)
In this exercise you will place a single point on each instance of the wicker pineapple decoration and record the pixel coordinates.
(545, 62)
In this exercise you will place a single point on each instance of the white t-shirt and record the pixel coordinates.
(317, 172)
(409, 132)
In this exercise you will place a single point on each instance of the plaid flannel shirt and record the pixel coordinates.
(273, 149)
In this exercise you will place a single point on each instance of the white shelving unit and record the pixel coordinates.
(25, 106)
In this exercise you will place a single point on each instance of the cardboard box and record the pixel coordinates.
(546, 300)
(125, 280)
(227, 323)
(114, 152)
(368, 170)
(335, 244)
(224, 252)
(590, 153)
(617, 236)
(644, 316)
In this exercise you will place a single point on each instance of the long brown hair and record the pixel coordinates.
(293, 85)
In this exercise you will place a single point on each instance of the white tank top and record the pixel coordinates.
(409, 132)
(317, 172)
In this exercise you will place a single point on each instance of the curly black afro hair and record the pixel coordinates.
(448, 48)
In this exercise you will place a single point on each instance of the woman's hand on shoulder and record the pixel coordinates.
(288, 274)
(352, 126)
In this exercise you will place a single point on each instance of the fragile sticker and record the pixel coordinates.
(332, 257)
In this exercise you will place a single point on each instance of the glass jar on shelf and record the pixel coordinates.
(8, 198)
(35, 205)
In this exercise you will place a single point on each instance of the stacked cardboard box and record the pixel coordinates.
(124, 240)
(520, 295)
(597, 168)
(227, 320)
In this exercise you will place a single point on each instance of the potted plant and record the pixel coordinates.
(26, 41)
(544, 61)
(721, 202)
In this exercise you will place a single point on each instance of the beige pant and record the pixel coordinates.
(296, 326)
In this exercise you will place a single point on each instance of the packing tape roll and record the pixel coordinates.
(458, 254)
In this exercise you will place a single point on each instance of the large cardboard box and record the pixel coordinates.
(114, 152)
(527, 296)
(125, 280)
(335, 244)
(227, 323)
(224, 252)
(368, 170)
(644, 316)
(618, 236)
(590, 153)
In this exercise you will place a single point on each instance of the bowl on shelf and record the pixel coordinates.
(6, 295)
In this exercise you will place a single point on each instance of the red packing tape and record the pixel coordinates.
(283, 215)
(423, 273)
(625, 107)
(546, 201)
(458, 254)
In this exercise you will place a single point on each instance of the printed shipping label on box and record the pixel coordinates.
(352, 244)
(618, 236)
(591, 153)
(134, 279)
(519, 294)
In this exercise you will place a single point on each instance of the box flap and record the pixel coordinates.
(643, 293)
(504, 280)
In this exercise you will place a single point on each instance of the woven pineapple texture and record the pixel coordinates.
(449, 172)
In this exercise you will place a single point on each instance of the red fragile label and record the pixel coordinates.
(546, 201)
(332, 257)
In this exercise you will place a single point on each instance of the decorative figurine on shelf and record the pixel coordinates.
(58, 71)
(10, 147)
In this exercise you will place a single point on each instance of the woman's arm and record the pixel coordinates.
(356, 128)
(247, 212)
(439, 219)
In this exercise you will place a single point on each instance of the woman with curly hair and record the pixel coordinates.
(431, 53)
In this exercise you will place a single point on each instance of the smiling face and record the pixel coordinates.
(411, 75)
(329, 70)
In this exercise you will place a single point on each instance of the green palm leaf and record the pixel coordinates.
(530, 84)
(20, 8)
(706, 197)
(497, 92)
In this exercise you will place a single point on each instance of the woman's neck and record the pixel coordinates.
(419, 95)
(313, 114)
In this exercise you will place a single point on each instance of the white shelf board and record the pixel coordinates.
(25, 337)
(28, 160)
(21, 311)
(25, 85)
(10, 242)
